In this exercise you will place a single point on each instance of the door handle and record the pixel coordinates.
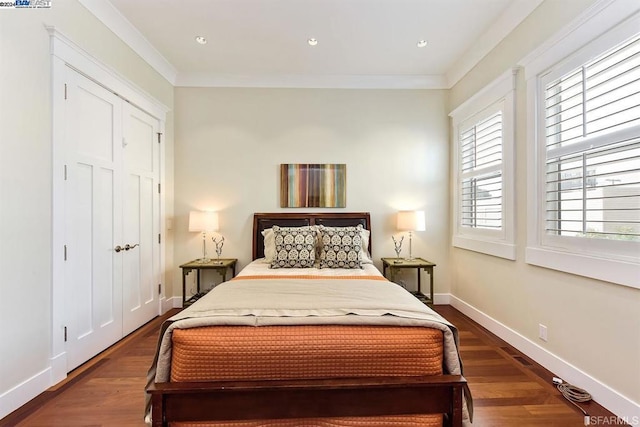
(128, 246)
(118, 248)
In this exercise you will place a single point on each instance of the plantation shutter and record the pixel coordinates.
(481, 173)
(592, 137)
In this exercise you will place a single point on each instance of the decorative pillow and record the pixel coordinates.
(294, 247)
(341, 247)
(365, 257)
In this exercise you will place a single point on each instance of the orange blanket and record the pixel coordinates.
(304, 352)
(357, 307)
(308, 351)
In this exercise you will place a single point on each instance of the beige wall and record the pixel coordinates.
(230, 143)
(592, 325)
(26, 177)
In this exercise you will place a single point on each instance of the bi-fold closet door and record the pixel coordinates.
(112, 218)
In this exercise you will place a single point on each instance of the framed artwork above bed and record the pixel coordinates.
(313, 185)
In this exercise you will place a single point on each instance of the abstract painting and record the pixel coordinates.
(313, 185)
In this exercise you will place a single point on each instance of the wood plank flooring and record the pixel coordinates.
(508, 388)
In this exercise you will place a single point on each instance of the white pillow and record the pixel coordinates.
(365, 257)
(269, 245)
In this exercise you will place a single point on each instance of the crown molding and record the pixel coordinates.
(121, 27)
(130, 35)
(499, 30)
(299, 81)
(599, 18)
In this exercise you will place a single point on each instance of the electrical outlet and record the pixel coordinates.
(542, 332)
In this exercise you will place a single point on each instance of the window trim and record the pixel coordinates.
(605, 24)
(499, 243)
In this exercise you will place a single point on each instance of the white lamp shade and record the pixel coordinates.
(411, 221)
(203, 221)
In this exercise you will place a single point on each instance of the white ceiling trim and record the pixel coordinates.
(311, 81)
(504, 25)
(600, 17)
(113, 19)
(116, 22)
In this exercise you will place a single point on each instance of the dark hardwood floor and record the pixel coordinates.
(508, 388)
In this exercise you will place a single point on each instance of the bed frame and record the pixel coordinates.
(348, 397)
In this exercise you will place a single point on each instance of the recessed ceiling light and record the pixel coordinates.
(312, 42)
(201, 39)
(421, 43)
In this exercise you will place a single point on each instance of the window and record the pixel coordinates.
(592, 140)
(481, 159)
(483, 138)
(584, 139)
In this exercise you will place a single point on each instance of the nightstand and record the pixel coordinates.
(394, 264)
(221, 266)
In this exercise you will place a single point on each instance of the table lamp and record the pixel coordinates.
(411, 221)
(203, 222)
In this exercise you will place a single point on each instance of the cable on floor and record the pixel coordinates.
(573, 394)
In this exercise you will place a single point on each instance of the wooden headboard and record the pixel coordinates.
(262, 221)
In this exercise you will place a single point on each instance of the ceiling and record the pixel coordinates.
(361, 43)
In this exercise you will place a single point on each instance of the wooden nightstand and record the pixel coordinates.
(221, 266)
(393, 264)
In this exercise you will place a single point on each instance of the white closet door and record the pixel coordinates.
(141, 219)
(93, 218)
(112, 159)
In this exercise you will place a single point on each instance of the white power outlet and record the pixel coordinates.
(542, 332)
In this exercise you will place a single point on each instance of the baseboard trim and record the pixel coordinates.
(15, 397)
(615, 402)
(58, 368)
(441, 299)
(173, 302)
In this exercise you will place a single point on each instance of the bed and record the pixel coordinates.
(286, 343)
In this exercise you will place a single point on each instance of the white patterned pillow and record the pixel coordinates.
(294, 247)
(340, 247)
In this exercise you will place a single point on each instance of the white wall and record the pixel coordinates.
(593, 326)
(26, 180)
(230, 143)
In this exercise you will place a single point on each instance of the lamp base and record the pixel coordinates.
(411, 257)
(204, 260)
